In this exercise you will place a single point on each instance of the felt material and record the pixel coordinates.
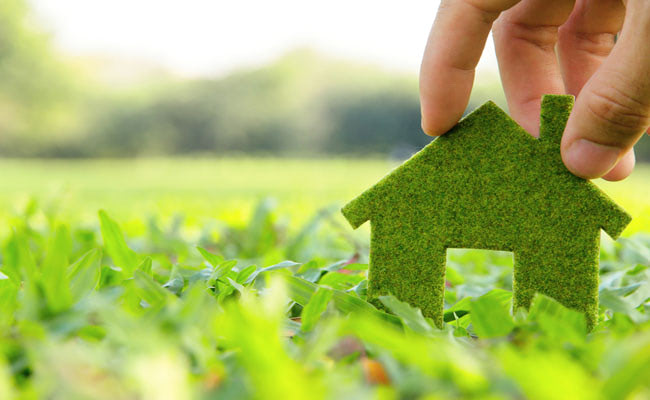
(488, 184)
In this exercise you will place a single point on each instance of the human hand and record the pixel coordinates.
(549, 47)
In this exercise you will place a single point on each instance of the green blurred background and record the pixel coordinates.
(300, 104)
(309, 128)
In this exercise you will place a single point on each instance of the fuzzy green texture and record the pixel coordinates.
(488, 184)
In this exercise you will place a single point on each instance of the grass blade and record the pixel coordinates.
(490, 317)
(148, 289)
(84, 274)
(412, 317)
(315, 307)
(213, 259)
(54, 270)
(8, 301)
(222, 270)
(301, 292)
(557, 321)
(116, 246)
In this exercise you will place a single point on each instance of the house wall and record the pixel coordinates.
(408, 260)
(566, 270)
(408, 263)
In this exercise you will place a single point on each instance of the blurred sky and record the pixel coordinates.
(212, 37)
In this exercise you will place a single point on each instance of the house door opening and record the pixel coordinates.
(473, 272)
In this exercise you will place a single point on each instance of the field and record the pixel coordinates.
(226, 189)
(237, 278)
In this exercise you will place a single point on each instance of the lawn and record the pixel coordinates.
(226, 189)
(237, 278)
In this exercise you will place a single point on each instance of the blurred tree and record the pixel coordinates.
(36, 88)
(302, 104)
(380, 121)
(643, 149)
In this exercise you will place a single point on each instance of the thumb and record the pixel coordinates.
(613, 109)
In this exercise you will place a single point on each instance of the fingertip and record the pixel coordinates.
(529, 121)
(443, 99)
(437, 123)
(623, 169)
(588, 159)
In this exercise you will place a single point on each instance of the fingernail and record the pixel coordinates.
(589, 159)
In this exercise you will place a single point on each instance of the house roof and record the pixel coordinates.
(486, 163)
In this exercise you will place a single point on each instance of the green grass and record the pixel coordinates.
(244, 299)
(226, 189)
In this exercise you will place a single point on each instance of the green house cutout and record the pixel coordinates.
(488, 184)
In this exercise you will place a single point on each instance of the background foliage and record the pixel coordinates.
(256, 311)
(303, 103)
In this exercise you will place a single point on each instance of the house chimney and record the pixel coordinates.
(555, 112)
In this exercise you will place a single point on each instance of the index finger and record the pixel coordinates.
(452, 52)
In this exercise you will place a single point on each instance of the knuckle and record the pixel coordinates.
(598, 44)
(544, 37)
(621, 113)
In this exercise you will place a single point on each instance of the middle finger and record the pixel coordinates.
(525, 38)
